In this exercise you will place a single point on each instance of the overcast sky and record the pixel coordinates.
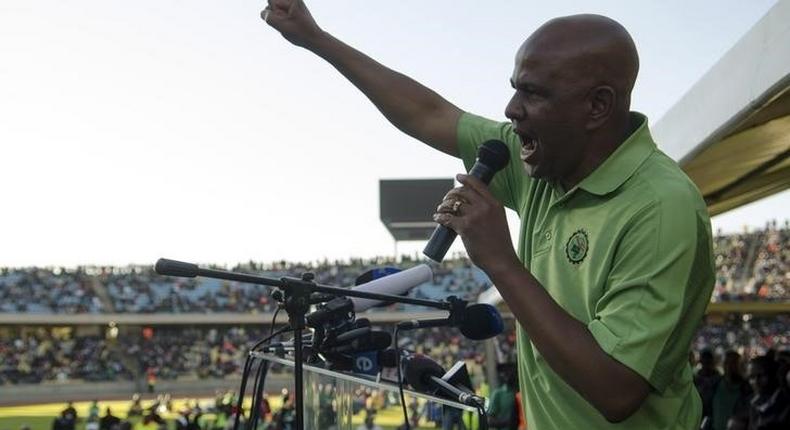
(137, 129)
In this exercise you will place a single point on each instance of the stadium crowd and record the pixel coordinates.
(41, 355)
(750, 266)
(735, 394)
(174, 352)
(170, 353)
(41, 290)
(753, 265)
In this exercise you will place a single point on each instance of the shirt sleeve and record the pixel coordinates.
(472, 132)
(657, 291)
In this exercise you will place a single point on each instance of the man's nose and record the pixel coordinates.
(513, 109)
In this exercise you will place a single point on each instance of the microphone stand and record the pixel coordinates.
(297, 299)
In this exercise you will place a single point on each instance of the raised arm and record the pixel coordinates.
(411, 107)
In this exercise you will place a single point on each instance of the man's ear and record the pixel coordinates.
(602, 100)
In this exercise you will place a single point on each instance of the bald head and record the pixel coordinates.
(571, 107)
(587, 49)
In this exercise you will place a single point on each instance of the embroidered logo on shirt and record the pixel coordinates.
(576, 248)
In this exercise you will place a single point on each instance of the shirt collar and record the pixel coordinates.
(623, 162)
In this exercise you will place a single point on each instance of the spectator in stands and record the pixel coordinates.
(136, 409)
(71, 415)
(706, 379)
(783, 360)
(109, 421)
(770, 406)
(183, 420)
(369, 423)
(502, 412)
(732, 393)
(284, 418)
(150, 379)
(93, 410)
(63, 422)
(148, 423)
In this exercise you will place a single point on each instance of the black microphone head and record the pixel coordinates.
(175, 268)
(388, 357)
(494, 154)
(361, 322)
(337, 309)
(340, 362)
(418, 370)
(350, 335)
(481, 321)
(376, 341)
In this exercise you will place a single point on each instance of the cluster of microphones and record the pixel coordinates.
(340, 341)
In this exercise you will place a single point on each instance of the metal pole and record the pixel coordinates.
(298, 381)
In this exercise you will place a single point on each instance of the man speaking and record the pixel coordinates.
(614, 266)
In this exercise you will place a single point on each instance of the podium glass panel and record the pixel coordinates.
(340, 401)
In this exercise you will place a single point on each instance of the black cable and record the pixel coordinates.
(247, 367)
(274, 320)
(400, 381)
(483, 418)
(260, 376)
(254, 409)
(244, 373)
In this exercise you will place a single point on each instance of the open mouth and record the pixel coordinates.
(529, 145)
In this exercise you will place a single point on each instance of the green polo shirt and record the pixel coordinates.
(628, 253)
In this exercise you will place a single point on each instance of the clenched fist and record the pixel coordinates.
(293, 20)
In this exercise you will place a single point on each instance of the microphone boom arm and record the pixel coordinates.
(178, 268)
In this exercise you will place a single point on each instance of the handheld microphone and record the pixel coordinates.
(492, 156)
(477, 322)
(425, 375)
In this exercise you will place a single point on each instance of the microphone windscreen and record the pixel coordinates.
(375, 273)
(494, 154)
(352, 334)
(481, 321)
(395, 284)
(361, 322)
(373, 341)
(378, 340)
(418, 370)
(340, 362)
(175, 268)
(388, 357)
(372, 275)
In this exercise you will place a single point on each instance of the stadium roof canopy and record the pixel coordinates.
(731, 131)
